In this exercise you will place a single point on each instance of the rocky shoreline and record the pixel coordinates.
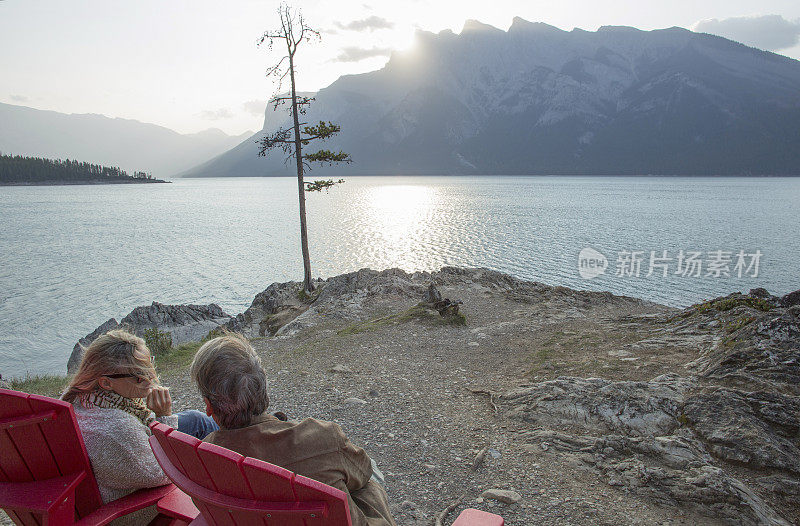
(544, 404)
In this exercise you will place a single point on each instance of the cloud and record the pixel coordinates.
(19, 98)
(354, 54)
(216, 115)
(366, 24)
(254, 107)
(770, 32)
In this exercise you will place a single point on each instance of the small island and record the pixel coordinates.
(19, 170)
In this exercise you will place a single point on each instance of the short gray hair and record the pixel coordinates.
(229, 375)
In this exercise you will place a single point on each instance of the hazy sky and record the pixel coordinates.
(193, 64)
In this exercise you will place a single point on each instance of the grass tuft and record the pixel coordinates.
(418, 312)
(727, 304)
(51, 385)
(178, 357)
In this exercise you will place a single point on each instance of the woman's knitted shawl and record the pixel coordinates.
(112, 400)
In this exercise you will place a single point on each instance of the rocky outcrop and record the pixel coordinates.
(270, 310)
(638, 435)
(758, 429)
(723, 439)
(77, 351)
(283, 309)
(185, 323)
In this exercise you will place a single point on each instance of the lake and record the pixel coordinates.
(74, 256)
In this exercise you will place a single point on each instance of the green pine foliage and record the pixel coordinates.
(32, 170)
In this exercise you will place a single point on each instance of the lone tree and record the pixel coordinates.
(292, 32)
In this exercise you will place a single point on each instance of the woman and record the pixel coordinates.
(116, 394)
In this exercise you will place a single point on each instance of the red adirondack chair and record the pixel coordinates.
(229, 489)
(45, 475)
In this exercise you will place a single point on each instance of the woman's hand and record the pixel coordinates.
(159, 401)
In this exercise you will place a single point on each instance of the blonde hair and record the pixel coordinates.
(115, 352)
(229, 375)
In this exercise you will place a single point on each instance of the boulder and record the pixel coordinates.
(77, 351)
(185, 323)
(270, 310)
(791, 299)
(372, 282)
(762, 355)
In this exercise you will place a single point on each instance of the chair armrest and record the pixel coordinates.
(473, 517)
(38, 496)
(127, 504)
(178, 505)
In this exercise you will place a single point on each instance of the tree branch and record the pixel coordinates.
(329, 157)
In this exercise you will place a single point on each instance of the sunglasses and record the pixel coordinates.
(139, 379)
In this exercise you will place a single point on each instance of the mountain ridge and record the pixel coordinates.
(539, 100)
(100, 139)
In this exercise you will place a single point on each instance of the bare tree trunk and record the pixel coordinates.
(301, 190)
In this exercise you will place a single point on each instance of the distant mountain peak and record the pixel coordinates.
(618, 29)
(471, 26)
(520, 25)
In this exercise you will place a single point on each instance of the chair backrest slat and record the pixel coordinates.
(13, 461)
(160, 433)
(66, 442)
(35, 451)
(217, 476)
(338, 511)
(185, 448)
(44, 443)
(224, 467)
(26, 519)
(273, 483)
(269, 482)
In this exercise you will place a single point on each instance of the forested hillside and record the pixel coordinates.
(17, 169)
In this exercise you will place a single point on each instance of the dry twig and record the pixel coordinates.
(490, 394)
(445, 512)
(479, 458)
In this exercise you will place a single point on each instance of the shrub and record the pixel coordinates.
(157, 341)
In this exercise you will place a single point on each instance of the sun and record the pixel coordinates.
(401, 39)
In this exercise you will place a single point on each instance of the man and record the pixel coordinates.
(233, 384)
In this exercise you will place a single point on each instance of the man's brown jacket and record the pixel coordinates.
(315, 449)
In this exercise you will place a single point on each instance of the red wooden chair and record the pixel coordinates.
(45, 475)
(229, 489)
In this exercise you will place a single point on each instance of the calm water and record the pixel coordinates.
(74, 256)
